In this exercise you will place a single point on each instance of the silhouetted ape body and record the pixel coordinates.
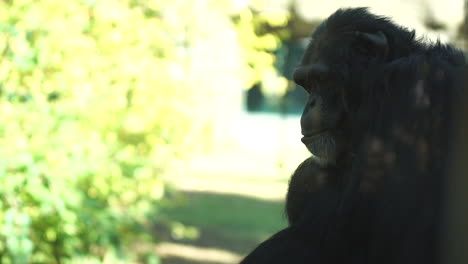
(378, 123)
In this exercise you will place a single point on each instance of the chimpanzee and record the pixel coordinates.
(378, 122)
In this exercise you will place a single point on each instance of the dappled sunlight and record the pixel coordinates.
(98, 99)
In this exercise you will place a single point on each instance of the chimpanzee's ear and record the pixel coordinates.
(374, 45)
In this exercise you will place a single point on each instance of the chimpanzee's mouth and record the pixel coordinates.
(314, 133)
(311, 138)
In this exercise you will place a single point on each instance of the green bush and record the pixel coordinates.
(95, 104)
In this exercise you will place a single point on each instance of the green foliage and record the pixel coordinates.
(259, 44)
(97, 99)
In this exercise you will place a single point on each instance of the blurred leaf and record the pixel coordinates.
(98, 98)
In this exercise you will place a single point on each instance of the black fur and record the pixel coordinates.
(373, 194)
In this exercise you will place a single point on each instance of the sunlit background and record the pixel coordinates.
(155, 131)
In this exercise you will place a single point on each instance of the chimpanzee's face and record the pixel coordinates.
(330, 71)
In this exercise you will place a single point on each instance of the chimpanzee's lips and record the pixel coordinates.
(314, 133)
(309, 137)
